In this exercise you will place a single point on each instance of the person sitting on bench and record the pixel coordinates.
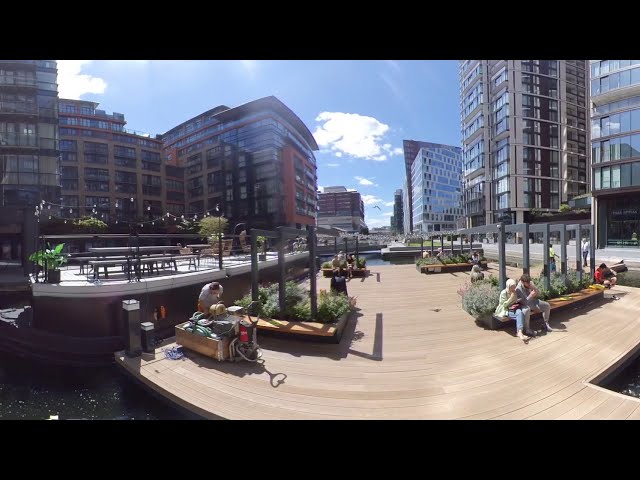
(476, 274)
(508, 306)
(604, 276)
(339, 282)
(528, 297)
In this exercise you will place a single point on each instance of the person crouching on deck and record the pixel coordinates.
(210, 295)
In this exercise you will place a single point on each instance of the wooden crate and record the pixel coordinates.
(210, 347)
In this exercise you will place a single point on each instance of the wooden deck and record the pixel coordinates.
(411, 352)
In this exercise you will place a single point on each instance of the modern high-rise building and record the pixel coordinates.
(411, 149)
(340, 208)
(398, 212)
(615, 151)
(29, 155)
(524, 135)
(254, 162)
(436, 176)
(110, 172)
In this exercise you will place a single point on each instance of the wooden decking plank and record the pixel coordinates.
(409, 361)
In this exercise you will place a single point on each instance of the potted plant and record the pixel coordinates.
(480, 300)
(51, 259)
(262, 243)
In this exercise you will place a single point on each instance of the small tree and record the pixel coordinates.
(564, 208)
(213, 226)
(89, 225)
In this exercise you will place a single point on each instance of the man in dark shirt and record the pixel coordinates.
(339, 282)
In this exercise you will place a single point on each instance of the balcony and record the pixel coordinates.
(19, 108)
(17, 140)
(616, 94)
(12, 80)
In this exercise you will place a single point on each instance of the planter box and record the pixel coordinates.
(357, 272)
(448, 268)
(578, 299)
(314, 331)
(210, 347)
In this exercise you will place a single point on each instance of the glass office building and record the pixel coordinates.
(615, 151)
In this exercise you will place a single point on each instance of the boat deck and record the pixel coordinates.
(411, 352)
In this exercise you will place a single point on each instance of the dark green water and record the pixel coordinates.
(34, 391)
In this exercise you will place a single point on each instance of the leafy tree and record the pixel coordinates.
(89, 225)
(564, 208)
(213, 226)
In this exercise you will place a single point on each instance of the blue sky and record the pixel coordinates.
(359, 111)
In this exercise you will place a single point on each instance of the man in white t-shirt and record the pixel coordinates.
(210, 295)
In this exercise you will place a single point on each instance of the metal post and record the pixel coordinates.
(421, 247)
(526, 260)
(442, 243)
(220, 250)
(470, 238)
(545, 257)
(313, 279)
(281, 269)
(357, 252)
(254, 266)
(335, 245)
(346, 245)
(578, 231)
(461, 247)
(133, 346)
(147, 331)
(563, 249)
(451, 244)
(502, 257)
(431, 238)
(592, 251)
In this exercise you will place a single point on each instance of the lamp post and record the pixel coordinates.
(219, 236)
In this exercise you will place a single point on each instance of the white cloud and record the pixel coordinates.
(365, 181)
(389, 204)
(73, 84)
(333, 164)
(250, 66)
(354, 135)
(388, 214)
(370, 199)
(338, 154)
(377, 222)
(321, 189)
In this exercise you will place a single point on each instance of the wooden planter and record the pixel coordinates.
(448, 268)
(314, 331)
(578, 299)
(357, 272)
(210, 347)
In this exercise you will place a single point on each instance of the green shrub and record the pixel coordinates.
(327, 265)
(297, 304)
(362, 262)
(480, 299)
(331, 307)
(564, 208)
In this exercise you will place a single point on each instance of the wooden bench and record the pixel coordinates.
(580, 298)
(449, 267)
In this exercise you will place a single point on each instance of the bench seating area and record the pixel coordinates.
(148, 262)
(449, 267)
(580, 298)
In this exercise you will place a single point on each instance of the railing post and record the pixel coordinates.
(421, 247)
(546, 280)
(461, 247)
(451, 243)
(335, 245)
(431, 238)
(313, 278)
(502, 257)
(254, 266)
(220, 250)
(133, 346)
(592, 251)
(281, 270)
(346, 246)
(526, 258)
(357, 252)
(563, 249)
(578, 230)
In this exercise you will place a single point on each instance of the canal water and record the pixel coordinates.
(32, 390)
